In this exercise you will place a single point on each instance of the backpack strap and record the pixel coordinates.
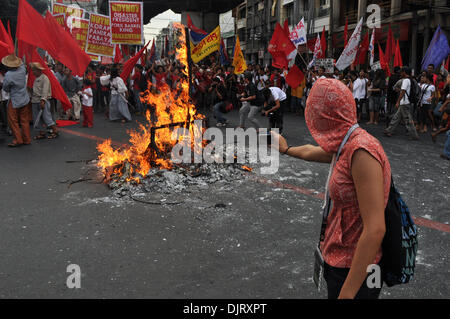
(327, 203)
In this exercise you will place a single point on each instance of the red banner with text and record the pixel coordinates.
(99, 36)
(126, 22)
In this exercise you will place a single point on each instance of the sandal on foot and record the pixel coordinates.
(52, 136)
(14, 144)
(39, 137)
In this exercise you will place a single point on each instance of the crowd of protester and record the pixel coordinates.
(215, 89)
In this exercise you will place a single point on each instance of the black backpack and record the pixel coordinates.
(399, 243)
(414, 93)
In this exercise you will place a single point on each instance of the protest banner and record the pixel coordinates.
(79, 31)
(94, 58)
(126, 22)
(376, 66)
(210, 44)
(298, 34)
(59, 8)
(99, 36)
(328, 64)
(61, 19)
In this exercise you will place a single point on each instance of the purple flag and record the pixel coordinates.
(438, 50)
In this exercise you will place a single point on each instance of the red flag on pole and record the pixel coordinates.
(286, 27)
(389, 47)
(383, 62)
(364, 47)
(129, 65)
(280, 47)
(6, 42)
(346, 32)
(323, 44)
(51, 37)
(193, 27)
(118, 58)
(57, 91)
(295, 77)
(398, 56)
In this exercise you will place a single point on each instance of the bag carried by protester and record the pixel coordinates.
(399, 243)
(415, 92)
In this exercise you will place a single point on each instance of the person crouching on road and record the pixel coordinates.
(42, 115)
(87, 102)
(274, 99)
(19, 108)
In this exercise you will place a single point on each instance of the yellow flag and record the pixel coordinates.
(210, 44)
(238, 60)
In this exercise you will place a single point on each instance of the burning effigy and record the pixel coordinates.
(147, 159)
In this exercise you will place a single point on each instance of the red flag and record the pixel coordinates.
(389, 47)
(118, 57)
(447, 64)
(280, 47)
(193, 27)
(383, 63)
(295, 77)
(51, 37)
(346, 32)
(286, 27)
(152, 54)
(6, 42)
(323, 44)
(398, 56)
(57, 91)
(125, 50)
(364, 47)
(129, 65)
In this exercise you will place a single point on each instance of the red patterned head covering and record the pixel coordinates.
(330, 113)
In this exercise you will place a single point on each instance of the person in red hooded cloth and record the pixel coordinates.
(358, 187)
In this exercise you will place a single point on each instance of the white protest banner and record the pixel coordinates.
(298, 34)
(376, 66)
(348, 55)
(328, 64)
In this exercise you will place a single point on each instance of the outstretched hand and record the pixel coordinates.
(279, 142)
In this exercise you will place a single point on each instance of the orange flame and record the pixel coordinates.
(167, 107)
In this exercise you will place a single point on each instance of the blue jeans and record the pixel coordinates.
(220, 117)
(447, 145)
(436, 110)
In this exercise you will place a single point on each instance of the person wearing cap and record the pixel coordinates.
(19, 109)
(42, 93)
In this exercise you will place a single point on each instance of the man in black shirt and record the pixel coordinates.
(219, 107)
(251, 103)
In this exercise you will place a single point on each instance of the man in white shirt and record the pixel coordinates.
(404, 107)
(360, 92)
(274, 100)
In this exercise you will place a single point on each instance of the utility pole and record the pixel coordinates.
(426, 39)
(413, 61)
(330, 32)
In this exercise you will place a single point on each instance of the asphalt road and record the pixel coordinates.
(260, 245)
